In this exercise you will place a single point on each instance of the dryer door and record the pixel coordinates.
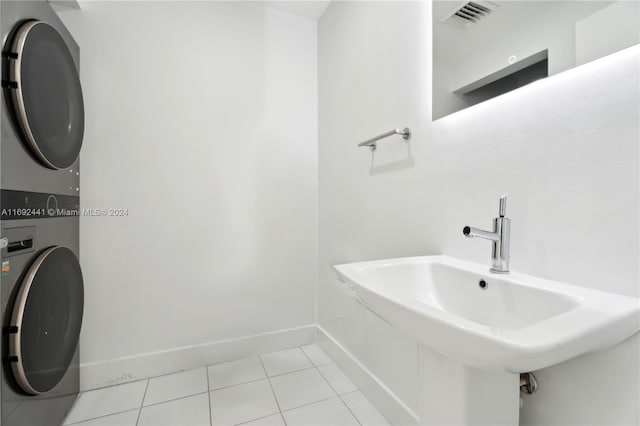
(45, 94)
(46, 320)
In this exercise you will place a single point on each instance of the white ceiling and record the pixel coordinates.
(308, 9)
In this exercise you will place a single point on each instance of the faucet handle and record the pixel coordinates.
(503, 206)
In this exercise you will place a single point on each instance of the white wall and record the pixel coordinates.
(622, 26)
(565, 149)
(202, 122)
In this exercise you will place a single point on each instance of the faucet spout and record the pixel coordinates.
(472, 232)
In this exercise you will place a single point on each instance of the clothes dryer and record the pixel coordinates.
(41, 300)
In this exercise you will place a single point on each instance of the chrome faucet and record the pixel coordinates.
(499, 239)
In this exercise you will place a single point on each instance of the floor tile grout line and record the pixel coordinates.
(175, 399)
(296, 407)
(266, 376)
(340, 395)
(109, 414)
(292, 371)
(140, 408)
(311, 364)
(311, 403)
(317, 367)
(350, 410)
(238, 384)
(258, 418)
(333, 389)
(99, 417)
(322, 375)
(354, 414)
(206, 370)
(272, 391)
(142, 402)
(311, 361)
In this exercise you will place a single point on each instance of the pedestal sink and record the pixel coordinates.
(477, 331)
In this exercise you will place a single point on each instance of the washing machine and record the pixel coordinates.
(42, 123)
(42, 298)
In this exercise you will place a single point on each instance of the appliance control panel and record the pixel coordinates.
(36, 205)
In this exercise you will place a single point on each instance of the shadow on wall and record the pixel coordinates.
(391, 159)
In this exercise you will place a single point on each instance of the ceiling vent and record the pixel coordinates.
(470, 11)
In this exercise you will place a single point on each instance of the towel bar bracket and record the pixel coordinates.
(373, 142)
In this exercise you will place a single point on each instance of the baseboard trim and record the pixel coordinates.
(94, 375)
(387, 402)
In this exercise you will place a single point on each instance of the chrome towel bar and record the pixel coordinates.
(373, 142)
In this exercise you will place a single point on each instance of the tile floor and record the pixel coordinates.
(299, 386)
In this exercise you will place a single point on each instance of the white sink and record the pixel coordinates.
(517, 324)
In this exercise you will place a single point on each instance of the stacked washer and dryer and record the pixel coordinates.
(41, 294)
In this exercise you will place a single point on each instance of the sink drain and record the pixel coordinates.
(483, 284)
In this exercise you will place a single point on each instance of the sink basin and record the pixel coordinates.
(513, 322)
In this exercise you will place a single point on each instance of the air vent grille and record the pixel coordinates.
(471, 11)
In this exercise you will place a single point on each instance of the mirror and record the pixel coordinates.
(482, 49)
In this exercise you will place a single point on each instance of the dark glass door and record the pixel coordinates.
(46, 94)
(46, 320)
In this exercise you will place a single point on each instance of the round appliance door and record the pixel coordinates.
(46, 94)
(46, 320)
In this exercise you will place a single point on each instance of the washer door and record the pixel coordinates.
(46, 320)
(46, 94)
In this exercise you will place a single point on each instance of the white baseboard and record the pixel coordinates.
(100, 374)
(388, 403)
